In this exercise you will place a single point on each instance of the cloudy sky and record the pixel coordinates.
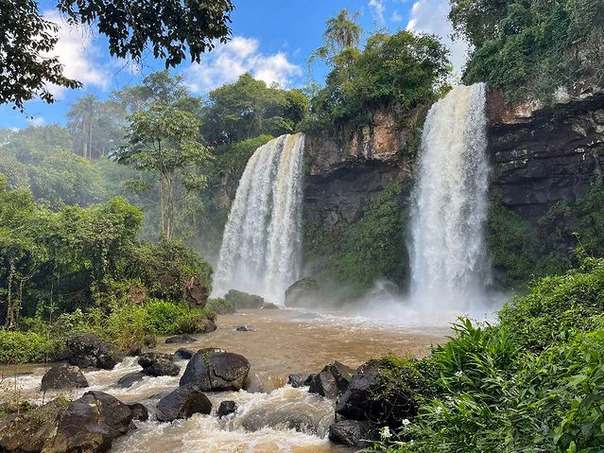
(271, 39)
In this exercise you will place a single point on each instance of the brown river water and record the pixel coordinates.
(282, 342)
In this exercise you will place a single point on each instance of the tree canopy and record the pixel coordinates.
(173, 30)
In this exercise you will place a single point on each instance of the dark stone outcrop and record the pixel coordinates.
(244, 329)
(88, 350)
(269, 306)
(197, 292)
(128, 380)
(243, 300)
(185, 338)
(183, 354)
(303, 293)
(297, 380)
(357, 403)
(139, 412)
(88, 424)
(215, 370)
(352, 433)
(198, 325)
(541, 157)
(182, 403)
(63, 376)
(158, 364)
(332, 381)
(226, 408)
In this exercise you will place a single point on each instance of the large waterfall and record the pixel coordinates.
(449, 265)
(261, 244)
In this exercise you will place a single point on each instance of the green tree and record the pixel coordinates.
(248, 108)
(165, 141)
(171, 30)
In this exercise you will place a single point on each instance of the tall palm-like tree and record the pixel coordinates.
(81, 116)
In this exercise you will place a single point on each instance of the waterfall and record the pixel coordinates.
(261, 244)
(449, 266)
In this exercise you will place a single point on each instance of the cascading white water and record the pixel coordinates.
(449, 266)
(261, 244)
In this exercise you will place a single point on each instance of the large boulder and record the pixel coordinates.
(128, 380)
(63, 376)
(158, 364)
(183, 354)
(182, 403)
(243, 300)
(88, 350)
(297, 380)
(216, 370)
(332, 381)
(352, 433)
(303, 293)
(385, 393)
(88, 424)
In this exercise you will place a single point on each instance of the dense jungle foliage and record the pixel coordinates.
(533, 383)
(530, 48)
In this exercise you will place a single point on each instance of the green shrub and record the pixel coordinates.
(219, 306)
(127, 326)
(555, 306)
(23, 347)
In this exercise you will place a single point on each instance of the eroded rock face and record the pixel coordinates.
(88, 350)
(88, 424)
(541, 157)
(182, 403)
(63, 376)
(216, 370)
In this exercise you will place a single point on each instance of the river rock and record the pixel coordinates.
(244, 300)
(216, 370)
(139, 412)
(303, 293)
(183, 354)
(63, 376)
(352, 433)
(88, 424)
(182, 403)
(158, 364)
(297, 380)
(198, 324)
(128, 380)
(244, 329)
(332, 381)
(270, 306)
(88, 350)
(357, 401)
(184, 338)
(226, 408)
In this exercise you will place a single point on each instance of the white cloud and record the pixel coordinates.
(396, 17)
(36, 121)
(378, 8)
(240, 55)
(430, 16)
(77, 55)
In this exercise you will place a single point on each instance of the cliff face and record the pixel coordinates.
(539, 157)
(343, 173)
(545, 156)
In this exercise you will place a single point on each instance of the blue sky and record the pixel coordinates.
(270, 38)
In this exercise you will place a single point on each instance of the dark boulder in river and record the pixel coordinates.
(181, 339)
(226, 408)
(332, 381)
(88, 424)
(158, 364)
(303, 293)
(63, 376)
(352, 433)
(216, 370)
(182, 403)
(128, 380)
(88, 350)
(183, 354)
(297, 380)
(243, 300)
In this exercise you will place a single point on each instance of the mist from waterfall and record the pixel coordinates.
(261, 244)
(449, 263)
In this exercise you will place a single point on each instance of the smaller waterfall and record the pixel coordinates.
(261, 244)
(448, 253)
